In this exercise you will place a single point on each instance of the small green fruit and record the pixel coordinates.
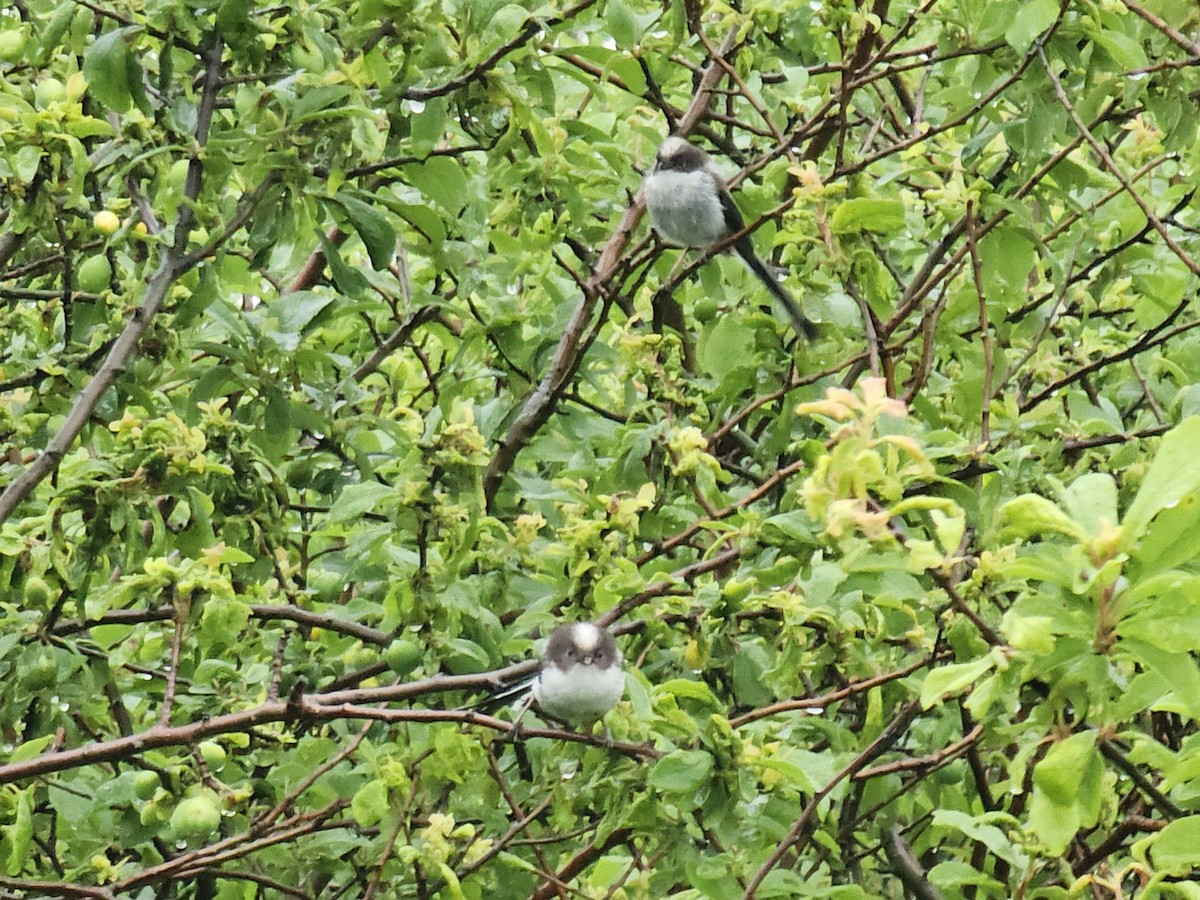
(106, 221)
(12, 44)
(94, 274)
(736, 590)
(705, 309)
(195, 818)
(402, 656)
(144, 785)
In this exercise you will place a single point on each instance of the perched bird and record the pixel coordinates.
(581, 677)
(690, 205)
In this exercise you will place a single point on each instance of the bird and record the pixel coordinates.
(690, 205)
(580, 677)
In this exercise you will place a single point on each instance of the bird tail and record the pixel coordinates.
(503, 696)
(803, 325)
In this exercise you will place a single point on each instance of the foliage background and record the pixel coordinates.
(338, 365)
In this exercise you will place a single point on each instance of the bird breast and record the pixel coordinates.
(685, 207)
(582, 693)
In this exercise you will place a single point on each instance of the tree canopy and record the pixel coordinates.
(340, 363)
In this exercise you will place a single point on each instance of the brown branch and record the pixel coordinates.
(984, 330)
(524, 820)
(309, 706)
(826, 700)
(261, 611)
(242, 215)
(181, 608)
(205, 859)
(1114, 840)
(908, 869)
(264, 821)
(57, 888)
(1151, 338)
(1180, 39)
(665, 545)
(310, 272)
(579, 862)
(1161, 801)
(397, 338)
(927, 762)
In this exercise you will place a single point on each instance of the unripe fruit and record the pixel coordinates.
(402, 656)
(106, 221)
(94, 274)
(144, 785)
(737, 590)
(704, 309)
(12, 44)
(195, 818)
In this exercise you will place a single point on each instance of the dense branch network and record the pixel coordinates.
(872, 120)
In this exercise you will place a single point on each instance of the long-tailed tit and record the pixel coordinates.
(690, 205)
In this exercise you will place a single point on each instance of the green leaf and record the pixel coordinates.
(223, 620)
(31, 748)
(1058, 772)
(692, 690)
(1124, 51)
(946, 680)
(51, 37)
(27, 161)
(20, 832)
(1162, 610)
(113, 74)
(621, 23)
(1091, 501)
(1029, 22)
(356, 499)
(681, 771)
(793, 529)
(294, 313)
(1031, 515)
(349, 281)
(1172, 538)
(370, 803)
(374, 230)
(464, 657)
(1176, 850)
(1174, 473)
(442, 180)
(1066, 790)
(981, 828)
(1176, 669)
(727, 345)
(867, 214)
